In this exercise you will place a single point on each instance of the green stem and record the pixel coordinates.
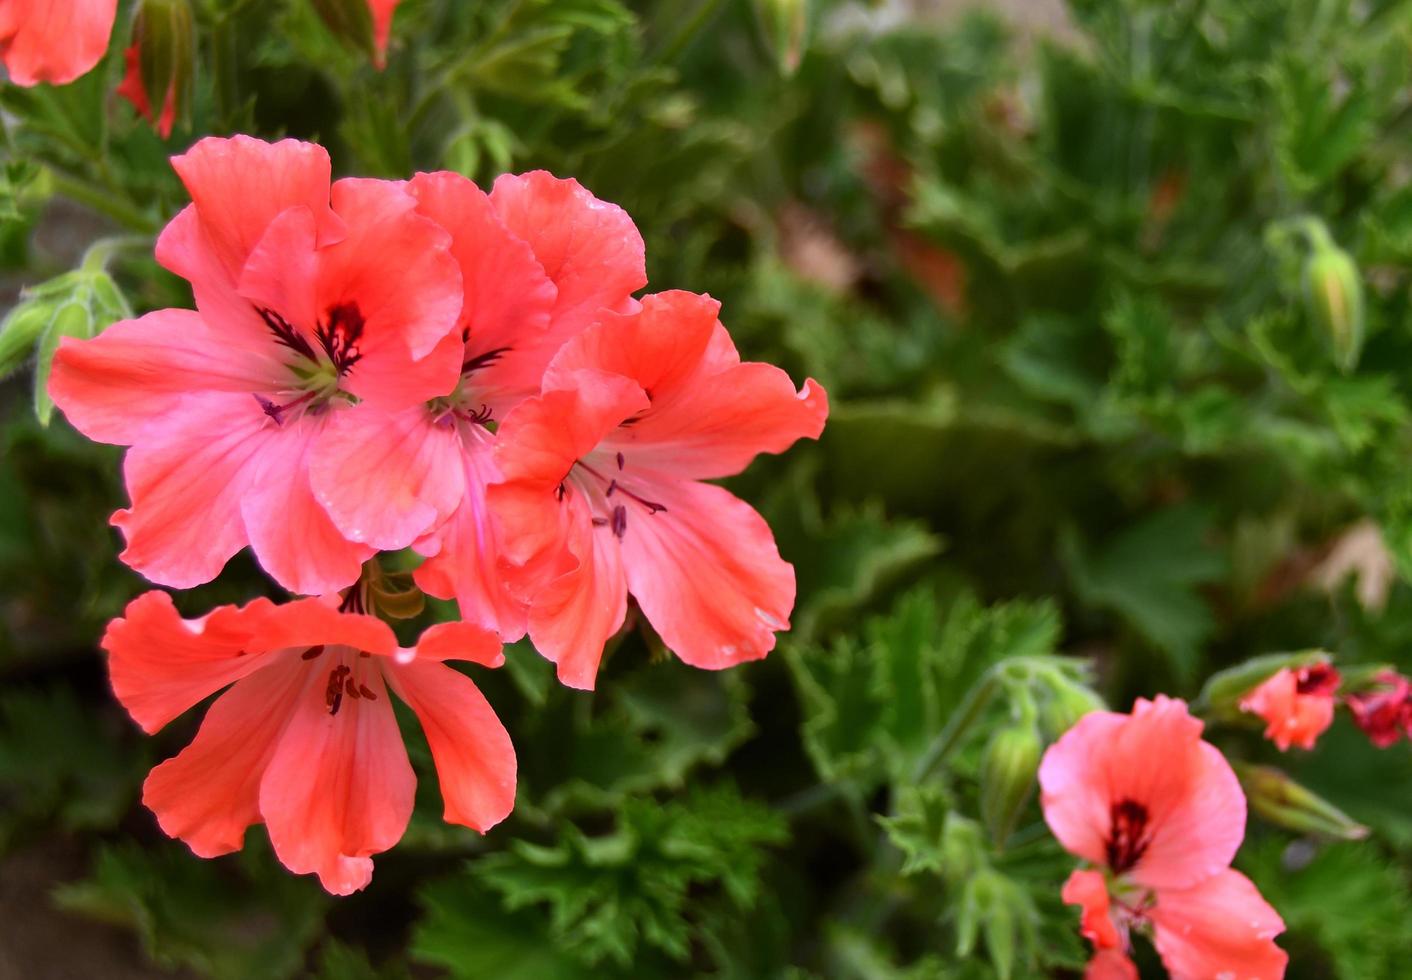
(103, 202)
(950, 737)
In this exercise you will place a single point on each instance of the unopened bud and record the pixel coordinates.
(1285, 803)
(1007, 776)
(1064, 702)
(1222, 694)
(76, 304)
(784, 25)
(1333, 292)
(350, 21)
(19, 332)
(161, 61)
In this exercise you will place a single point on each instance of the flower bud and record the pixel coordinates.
(1333, 293)
(1285, 803)
(350, 21)
(1065, 702)
(76, 304)
(160, 62)
(1007, 776)
(784, 25)
(1223, 692)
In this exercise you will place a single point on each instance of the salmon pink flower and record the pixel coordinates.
(1159, 811)
(602, 491)
(1296, 704)
(539, 258)
(132, 89)
(309, 298)
(1384, 711)
(53, 41)
(305, 739)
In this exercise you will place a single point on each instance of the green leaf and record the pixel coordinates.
(1149, 574)
(200, 914)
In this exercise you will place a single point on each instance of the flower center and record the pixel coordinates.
(321, 363)
(609, 496)
(1127, 834)
(343, 680)
(1316, 679)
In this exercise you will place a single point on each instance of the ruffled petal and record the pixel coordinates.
(114, 386)
(387, 478)
(187, 481)
(706, 573)
(54, 41)
(305, 623)
(591, 250)
(475, 760)
(465, 559)
(584, 601)
(508, 297)
(711, 415)
(457, 641)
(161, 664)
(238, 185)
(1221, 927)
(208, 794)
(291, 535)
(339, 787)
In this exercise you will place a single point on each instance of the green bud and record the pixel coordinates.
(784, 25)
(1064, 702)
(1007, 776)
(350, 21)
(18, 333)
(1285, 803)
(1333, 294)
(76, 304)
(1220, 697)
(166, 43)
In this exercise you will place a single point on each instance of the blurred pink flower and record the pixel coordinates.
(305, 739)
(53, 41)
(602, 491)
(132, 89)
(1297, 705)
(1160, 811)
(1384, 711)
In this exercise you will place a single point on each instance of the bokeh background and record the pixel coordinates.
(1059, 269)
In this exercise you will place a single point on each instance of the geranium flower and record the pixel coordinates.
(132, 89)
(1384, 711)
(305, 740)
(1160, 813)
(53, 41)
(603, 493)
(308, 297)
(1297, 705)
(539, 258)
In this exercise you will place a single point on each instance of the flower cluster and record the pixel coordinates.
(380, 365)
(1159, 814)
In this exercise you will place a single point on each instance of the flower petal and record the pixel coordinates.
(508, 297)
(54, 41)
(339, 787)
(711, 415)
(1111, 964)
(208, 794)
(464, 555)
(112, 387)
(291, 535)
(475, 760)
(573, 616)
(1089, 891)
(1194, 807)
(387, 478)
(458, 641)
(187, 480)
(1221, 927)
(161, 664)
(707, 574)
(590, 249)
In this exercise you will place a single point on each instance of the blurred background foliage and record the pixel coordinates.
(1114, 315)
